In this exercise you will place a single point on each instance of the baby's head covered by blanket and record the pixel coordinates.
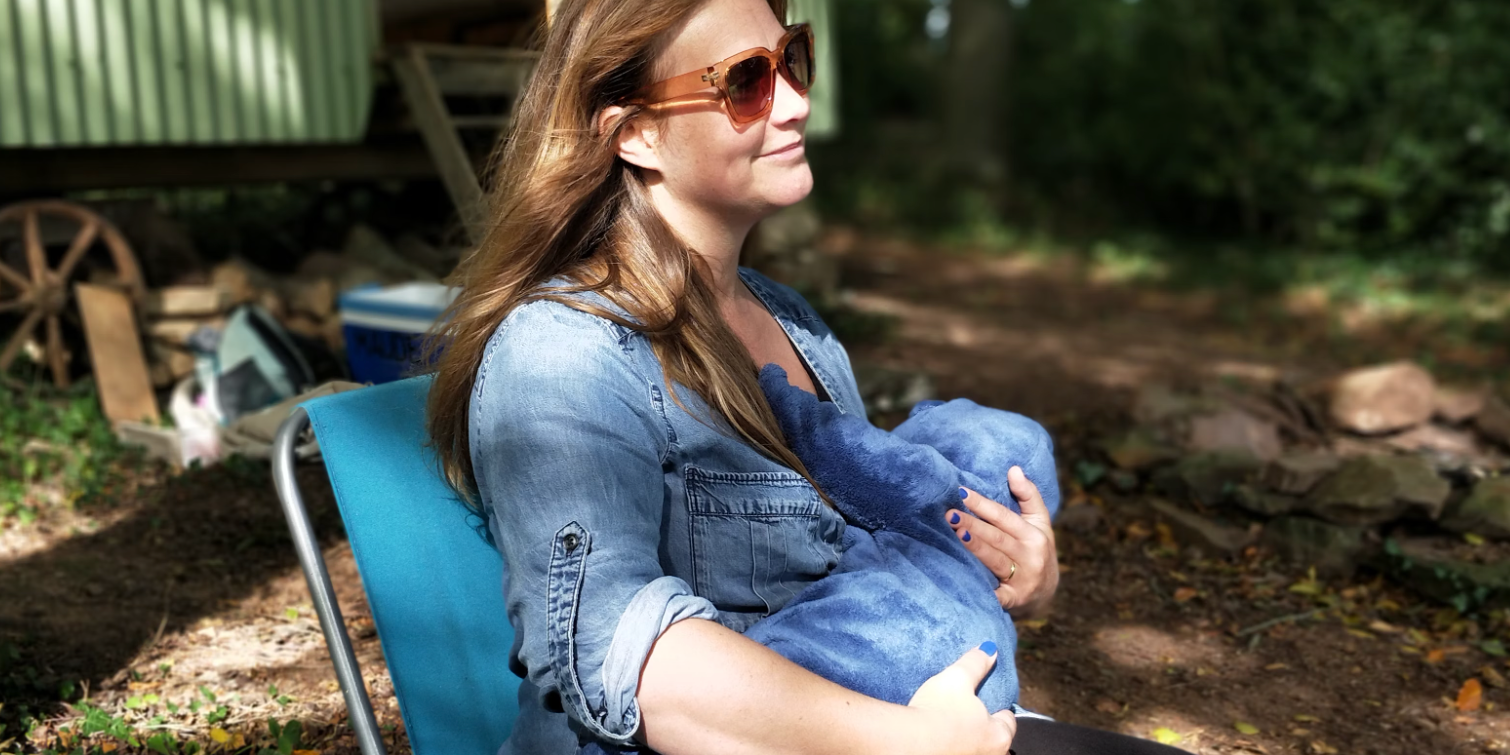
(890, 480)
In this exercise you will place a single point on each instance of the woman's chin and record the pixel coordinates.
(791, 187)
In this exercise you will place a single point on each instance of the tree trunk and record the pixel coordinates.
(976, 91)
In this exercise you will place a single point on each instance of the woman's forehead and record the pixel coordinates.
(717, 30)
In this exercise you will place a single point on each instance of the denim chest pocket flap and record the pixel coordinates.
(758, 538)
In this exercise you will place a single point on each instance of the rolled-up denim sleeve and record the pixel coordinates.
(568, 442)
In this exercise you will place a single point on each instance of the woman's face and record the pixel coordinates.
(705, 160)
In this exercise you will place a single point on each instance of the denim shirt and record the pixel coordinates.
(619, 513)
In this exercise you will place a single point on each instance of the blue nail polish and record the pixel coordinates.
(963, 494)
(967, 537)
(954, 518)
(988, 647)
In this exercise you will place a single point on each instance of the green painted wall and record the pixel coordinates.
(153, 72)
(823, 120)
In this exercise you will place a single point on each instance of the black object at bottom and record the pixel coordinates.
(1036, 736)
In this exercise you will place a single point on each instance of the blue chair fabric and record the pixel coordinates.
(432, 578)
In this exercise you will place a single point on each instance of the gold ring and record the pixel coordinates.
(1012, 573)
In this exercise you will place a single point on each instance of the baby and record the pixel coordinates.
(907, 598)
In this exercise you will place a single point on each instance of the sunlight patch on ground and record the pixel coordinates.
(1143, 647)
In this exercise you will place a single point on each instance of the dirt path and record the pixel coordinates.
(190, 587)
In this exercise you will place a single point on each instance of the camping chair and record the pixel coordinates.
(433, 581)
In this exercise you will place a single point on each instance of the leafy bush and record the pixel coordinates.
(56, 447)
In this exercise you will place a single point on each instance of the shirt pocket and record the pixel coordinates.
(758, 538)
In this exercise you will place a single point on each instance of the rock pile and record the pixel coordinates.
(1324, 476)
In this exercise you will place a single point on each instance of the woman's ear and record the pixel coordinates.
(636, 139)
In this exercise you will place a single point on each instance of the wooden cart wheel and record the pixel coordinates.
(41, 292)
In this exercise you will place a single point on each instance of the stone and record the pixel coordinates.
(1450, 448)
(1138, 449)
(1486, 510)
(1375, 489)
(1082, 519)
(1297, 472)
(1382, 399)
(1419, 485)
(1194, 530)
(1262, 502)
(1332, 549)
(1434, 573)
(1233, 429)
(1159, 404)
(1493, 421)
(1207, 479)
(1458, 405)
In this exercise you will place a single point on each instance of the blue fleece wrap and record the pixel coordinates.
(907, 598)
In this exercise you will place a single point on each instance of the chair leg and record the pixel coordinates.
(358, 705)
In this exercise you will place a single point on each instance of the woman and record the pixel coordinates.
(598, 393)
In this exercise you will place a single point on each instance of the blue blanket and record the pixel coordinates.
(907, 599)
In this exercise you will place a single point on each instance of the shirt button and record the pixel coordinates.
(570, 541)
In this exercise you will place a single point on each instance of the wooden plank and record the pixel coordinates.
(222, 63)
(316, 73)
(91, 71)
(244, 84)
(57, 15)
(117, 55)
(31, 57)
(197, 55)
(175, 76)
(146, 74)
(49, 171)
(270, 43)
(12, 119)
(115, 349)
(450, 155)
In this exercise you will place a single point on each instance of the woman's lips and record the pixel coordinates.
(790, 149)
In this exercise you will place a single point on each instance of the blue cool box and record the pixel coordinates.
(385, 326)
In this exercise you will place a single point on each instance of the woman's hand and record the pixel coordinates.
(949, 698)
(1018, 549)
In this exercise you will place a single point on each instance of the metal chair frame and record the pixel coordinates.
(317, 576)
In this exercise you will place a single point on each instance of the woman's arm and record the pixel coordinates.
(706, 688)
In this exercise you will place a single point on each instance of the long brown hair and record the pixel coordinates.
(566, 205)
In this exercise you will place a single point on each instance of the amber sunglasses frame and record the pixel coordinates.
(717, 74)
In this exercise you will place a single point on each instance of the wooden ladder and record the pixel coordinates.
(427, 74)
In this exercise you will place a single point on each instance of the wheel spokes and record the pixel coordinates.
(18, 280)
(18, 338)
(55, 353)
(76, 251)
(36, 256)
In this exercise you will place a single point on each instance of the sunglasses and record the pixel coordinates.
(747, 80)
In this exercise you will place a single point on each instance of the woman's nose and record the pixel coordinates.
(788, 106)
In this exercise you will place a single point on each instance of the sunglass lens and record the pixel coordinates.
(750, 82)
(799, 62)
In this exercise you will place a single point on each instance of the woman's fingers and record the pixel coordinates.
(993, 547)
(998, 515)
(1027, 495)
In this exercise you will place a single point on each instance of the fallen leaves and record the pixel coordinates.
(1243, 727)
(1184, 594)
(1166, 736)
(1470, 696)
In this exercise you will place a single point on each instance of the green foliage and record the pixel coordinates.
(1375, 128)
(56, 440)
(1352, 124)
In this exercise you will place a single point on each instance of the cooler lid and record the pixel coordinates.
(423, 301)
